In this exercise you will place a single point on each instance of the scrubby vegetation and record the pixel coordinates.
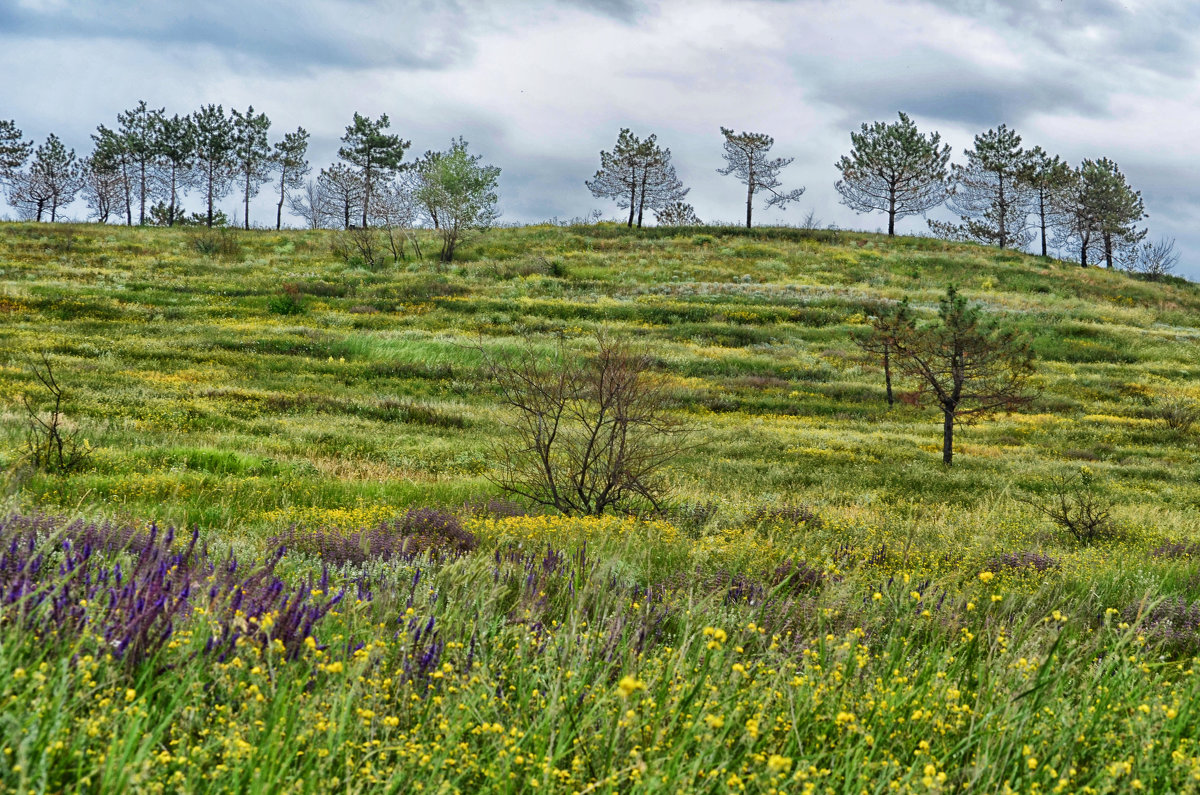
(349, 603)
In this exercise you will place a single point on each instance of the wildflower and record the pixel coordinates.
(877, 596)
(714, 721)
(718, 637)
(629, 685)
(130, 694)
(986, 576)
(779, 764)
(752, 728)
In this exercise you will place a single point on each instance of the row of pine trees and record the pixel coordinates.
(1004, 194)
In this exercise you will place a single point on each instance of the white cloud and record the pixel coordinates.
(539, 87)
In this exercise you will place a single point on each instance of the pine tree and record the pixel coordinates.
(215, 149)
(1116, 206)
(967, 364)
(658, 185)
(745, 156)
(989, 193)
(887, 329)
(109, 149)
(51, 181)
(14, 150)
(138, 128)
(677, 214)
(895, 169)
(620, 173)
(291, 159)
(175, 151)
(1044, 175)
(375, 153)
(251, 154)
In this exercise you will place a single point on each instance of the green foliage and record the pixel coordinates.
(461, 193)
(894, 169)
(289, 302)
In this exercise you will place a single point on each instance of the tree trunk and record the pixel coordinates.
(749, 203)
(282, 195)
(247, 201)
(1003, 212)
(1108, 257)
(887, 374)
(1042, 215)
(128, 192)
(632, 196)
(142, 197)
(1083, 254)
(947, 437)
(891, 233)
(366, 192)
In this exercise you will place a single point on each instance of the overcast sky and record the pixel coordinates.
(540, 87)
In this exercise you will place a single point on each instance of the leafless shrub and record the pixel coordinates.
(1153, 260)
(1076, 505)
(49, 445)
(587, 434)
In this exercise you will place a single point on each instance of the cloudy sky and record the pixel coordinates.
(540, 86)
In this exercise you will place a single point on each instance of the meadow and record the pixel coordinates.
(823, 606)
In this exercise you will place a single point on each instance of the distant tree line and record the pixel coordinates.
(1004, 195)
(140, 170)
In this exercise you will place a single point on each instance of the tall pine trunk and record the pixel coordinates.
(282, 194)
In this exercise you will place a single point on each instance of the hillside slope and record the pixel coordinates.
(824, 607)
(208, 405)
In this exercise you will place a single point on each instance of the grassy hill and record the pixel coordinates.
(248, 383)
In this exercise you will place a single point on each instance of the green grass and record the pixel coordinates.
(213, 399)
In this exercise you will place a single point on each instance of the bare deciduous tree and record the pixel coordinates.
(1077, 506)
(1153, 260)
(746, 158)
(969, 366)
(342, 196)
(310, 204)
(51, 181)
(587, 434)
(50, 444)
(103, 185)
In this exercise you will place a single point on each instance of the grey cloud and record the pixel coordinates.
(1159, 38)
(284, 35)
(942, 87)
